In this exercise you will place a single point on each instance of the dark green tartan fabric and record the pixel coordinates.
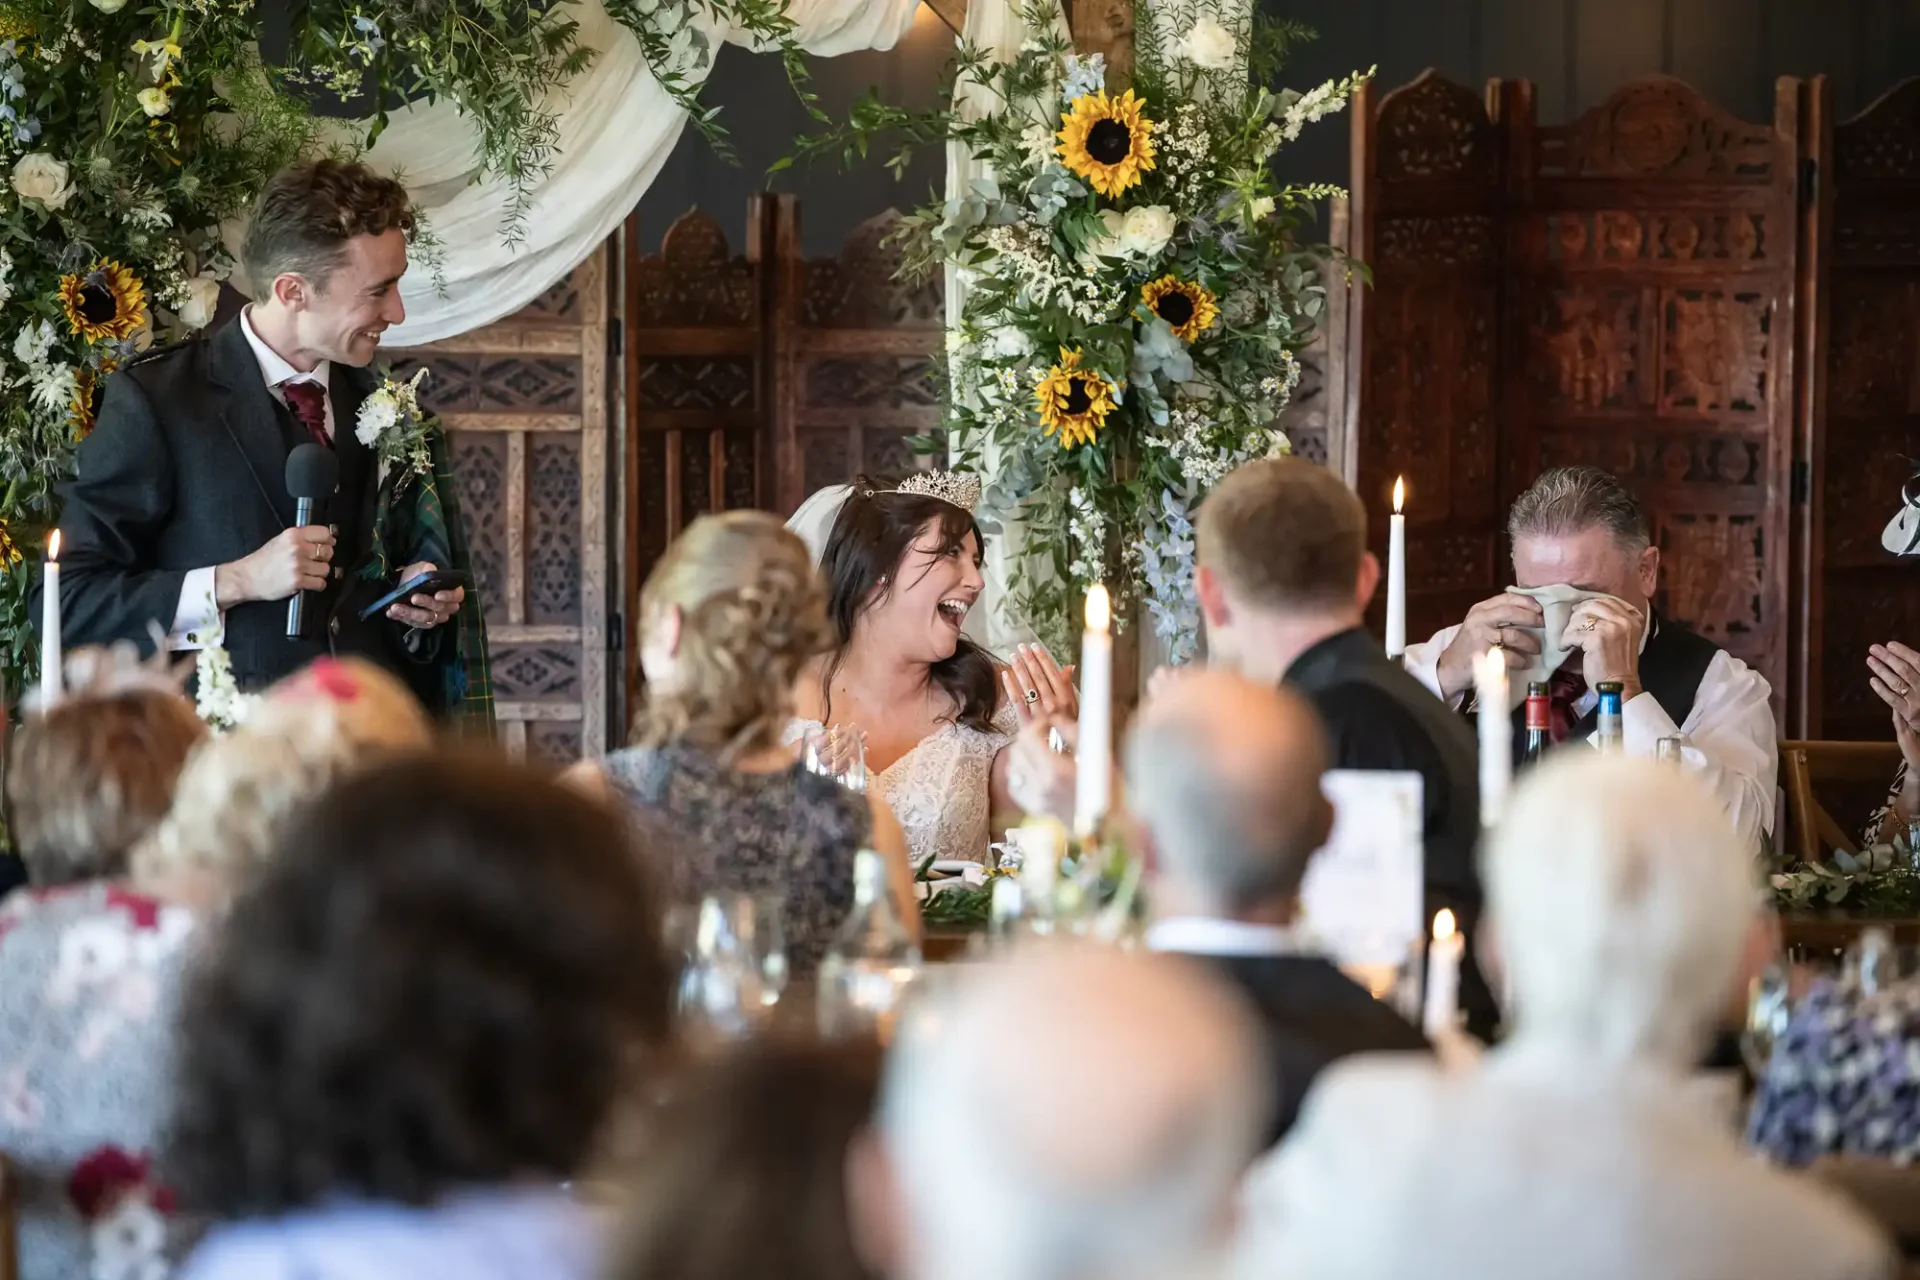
(424, 516)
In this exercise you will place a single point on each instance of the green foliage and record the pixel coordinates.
(1878, 881)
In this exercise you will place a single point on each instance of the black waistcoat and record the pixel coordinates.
(1672, 665)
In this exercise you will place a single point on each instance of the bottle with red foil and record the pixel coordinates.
(1539, 720)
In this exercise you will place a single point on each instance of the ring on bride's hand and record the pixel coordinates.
(1033, 696)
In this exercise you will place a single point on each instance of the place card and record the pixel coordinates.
(1363, 896)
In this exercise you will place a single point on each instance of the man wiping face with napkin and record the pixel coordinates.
(1581, 613)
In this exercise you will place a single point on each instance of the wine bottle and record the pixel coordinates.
(1608, 733)
(1539, 720)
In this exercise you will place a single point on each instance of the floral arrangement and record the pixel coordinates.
(392, 424)
(1136, 291)
(217, 698)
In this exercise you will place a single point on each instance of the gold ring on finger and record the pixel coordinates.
(1587, 625)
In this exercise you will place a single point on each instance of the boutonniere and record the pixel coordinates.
(392, 424)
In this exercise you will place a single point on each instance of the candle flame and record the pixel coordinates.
(1399, 493)
(1443, 925)
(53, 546)
(1099, 608)
(1492, 666)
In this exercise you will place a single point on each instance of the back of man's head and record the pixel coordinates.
(1069, 1111)
(1284, 535)
(1620, 895)
(1223, 773)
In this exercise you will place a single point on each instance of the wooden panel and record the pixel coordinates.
(1655, 279)
(1422, 383)
(1864, 415)
(525, 404)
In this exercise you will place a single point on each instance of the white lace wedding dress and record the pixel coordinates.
(939, 789)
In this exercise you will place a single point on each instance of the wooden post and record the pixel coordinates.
(1105, 26)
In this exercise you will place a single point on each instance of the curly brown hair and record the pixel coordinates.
(307, 212)
(92, 777)
(449, 975)
(752, 613)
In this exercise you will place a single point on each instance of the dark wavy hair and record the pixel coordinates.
(448, 976)
(744, 1169)
(871, 537)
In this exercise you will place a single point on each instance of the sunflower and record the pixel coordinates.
(14, 23)
(9, 549)
(107, 301)
(1106, 141)
(1190, 308)
(1073, 401)
(87, 382)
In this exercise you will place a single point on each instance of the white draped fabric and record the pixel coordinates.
(995, 27)
(616, 128)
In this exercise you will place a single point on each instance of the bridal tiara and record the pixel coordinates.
(959, 488)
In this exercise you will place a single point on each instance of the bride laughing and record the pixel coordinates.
(902, 570)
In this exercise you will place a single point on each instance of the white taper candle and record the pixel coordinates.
(1397, 573)
(1496, 733)
(50, 651)
(1093, 767)
(1443, 976)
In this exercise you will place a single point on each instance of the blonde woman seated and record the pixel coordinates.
(728, 619)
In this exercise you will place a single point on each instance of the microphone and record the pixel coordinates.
(313, 473)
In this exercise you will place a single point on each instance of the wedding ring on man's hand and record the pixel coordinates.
(1587, 624)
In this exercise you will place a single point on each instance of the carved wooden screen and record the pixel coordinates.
(696, 384)
(856, 358)
(525, 403)
(1420, 396)
(1863, 415)
(1656, 238)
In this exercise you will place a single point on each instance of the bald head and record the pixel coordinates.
(1223, 775)
(1091, 1109)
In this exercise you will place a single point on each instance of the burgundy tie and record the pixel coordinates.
(308, 400)
(1566, 687)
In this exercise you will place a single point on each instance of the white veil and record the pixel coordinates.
(814, 520)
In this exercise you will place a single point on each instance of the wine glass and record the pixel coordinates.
(1769, 1007)
(838, 752)
(722, 989)
(769, 945)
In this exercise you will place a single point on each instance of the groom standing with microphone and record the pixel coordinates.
(224, 496)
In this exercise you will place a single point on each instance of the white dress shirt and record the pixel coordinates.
(197, 620)
(1729, 737)
(1214, 936)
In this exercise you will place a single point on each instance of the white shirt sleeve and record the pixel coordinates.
(197, 621)
(1730, 740)
(1422, 662)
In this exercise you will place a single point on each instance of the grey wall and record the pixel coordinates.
(1575, 51)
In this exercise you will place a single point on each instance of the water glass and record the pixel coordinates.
(736, 964)
(1769, 1007)
(838, 752)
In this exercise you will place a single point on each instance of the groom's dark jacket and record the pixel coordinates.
(187, 468)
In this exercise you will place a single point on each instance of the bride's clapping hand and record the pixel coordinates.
(1039, 686)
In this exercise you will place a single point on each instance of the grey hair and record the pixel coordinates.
(1569, 499)
(1621, 894)
(1239, 838)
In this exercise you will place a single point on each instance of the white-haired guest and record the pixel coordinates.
(1070, 1113)
(1621, 897)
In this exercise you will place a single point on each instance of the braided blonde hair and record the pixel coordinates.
(752, 612)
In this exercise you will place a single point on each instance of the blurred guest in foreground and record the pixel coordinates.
(1223, 777)
(1069, 1111)
(1576, 1149)
(744, 1171)
(412, 1030)
(87, 971)
(729, 617)
(311, 730)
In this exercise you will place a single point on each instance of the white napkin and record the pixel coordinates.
(1556, 607)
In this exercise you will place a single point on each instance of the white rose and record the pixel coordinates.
(154, 101)
(1147, 229)
(38, 176)
(203, 298)
(109, 6)
(1106, 242)
(1009, 343)
(1210, 46)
